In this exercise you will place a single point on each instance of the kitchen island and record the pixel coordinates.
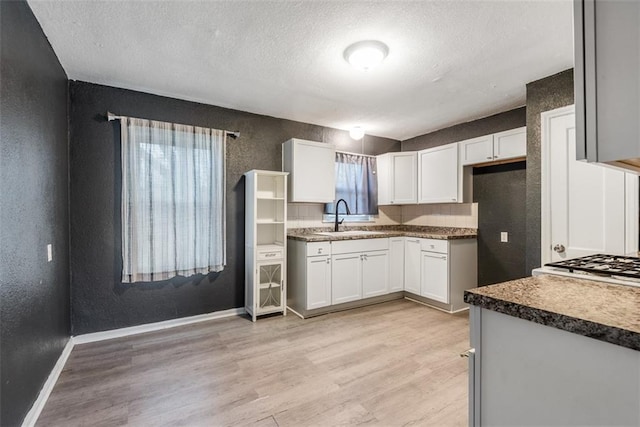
(552, 350)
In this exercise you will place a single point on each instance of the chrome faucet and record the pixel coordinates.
(335, 228)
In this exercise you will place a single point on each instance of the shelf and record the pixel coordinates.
(269, 198)
(267, 285)
(270, 309)
(268, 221)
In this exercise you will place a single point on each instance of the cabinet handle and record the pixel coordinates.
(468, 353)
(434, 256)
(328, 261)
(495, 157)
(489, 157)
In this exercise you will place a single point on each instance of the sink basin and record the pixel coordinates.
(350, 233)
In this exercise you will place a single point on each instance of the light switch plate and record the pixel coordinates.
(504, 236)
(49, 252)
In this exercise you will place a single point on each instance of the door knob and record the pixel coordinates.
(559, 248)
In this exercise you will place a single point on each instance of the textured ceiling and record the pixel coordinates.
(449, 61)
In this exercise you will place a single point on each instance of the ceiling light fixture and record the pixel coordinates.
(356, 132)
(366, 54)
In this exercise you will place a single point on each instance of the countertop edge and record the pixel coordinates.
(387, 234)
(587, 328)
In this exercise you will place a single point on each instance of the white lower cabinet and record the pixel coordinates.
(346, 278)
(318, 281)
(396, 264)
(435, 276)
(412, 265)
(434, 271)
(438, 271)
(375, 273)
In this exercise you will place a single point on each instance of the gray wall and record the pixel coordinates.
(501, 195)
(542, 95)
(34, 294)
(99, 300)
(487, 125)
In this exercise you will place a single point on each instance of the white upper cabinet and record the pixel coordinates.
(477, 150)
(509, 144)
(397, 178)
(311, 167)
(439, 175)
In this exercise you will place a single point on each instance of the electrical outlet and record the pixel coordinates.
(49, 252)
(504, 236)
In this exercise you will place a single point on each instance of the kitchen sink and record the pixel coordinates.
(350, 233)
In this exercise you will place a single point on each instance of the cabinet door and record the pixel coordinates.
(375, 273)
(404, 178)
(439, 175)
(476, 150)
(383, 164)
(396, 264)
(412, 265)
(510, 144)
(346, 278)
(312, 170)
(318, 282)
(435, 276)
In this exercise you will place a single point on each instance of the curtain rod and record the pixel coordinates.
(111, 117)
(355, 154)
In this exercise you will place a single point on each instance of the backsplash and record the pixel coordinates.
(442, 215)
(306, 215)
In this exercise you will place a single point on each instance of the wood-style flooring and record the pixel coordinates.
(391, 364)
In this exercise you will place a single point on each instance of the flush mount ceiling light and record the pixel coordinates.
(366, 54)
(356, 132)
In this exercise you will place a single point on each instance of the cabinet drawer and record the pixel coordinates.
(435, 245)
(359, 245)
(318, 248)
(270, 254)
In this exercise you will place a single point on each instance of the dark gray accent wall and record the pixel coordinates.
(34, 293)
(501, 195)
(99, 300)
(497, 123)
(542, 95)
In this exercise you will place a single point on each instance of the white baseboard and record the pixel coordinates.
(157, 326)
(38, 405)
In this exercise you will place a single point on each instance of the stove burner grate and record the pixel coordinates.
(602, 264)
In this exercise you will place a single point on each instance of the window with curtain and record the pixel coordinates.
(173, 200)
(357, 183)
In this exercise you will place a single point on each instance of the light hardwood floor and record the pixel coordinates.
(390, 364)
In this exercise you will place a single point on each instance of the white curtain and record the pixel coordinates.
(173, 200)
(356, 183)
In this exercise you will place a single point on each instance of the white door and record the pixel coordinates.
(318, 282)
(346, 278)
(412, 265)
(396, 264)
(584, 205)
(404, 178)
(375, 273)
(438, 174)
(435, 276)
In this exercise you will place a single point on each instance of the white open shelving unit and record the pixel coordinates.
(265, 242)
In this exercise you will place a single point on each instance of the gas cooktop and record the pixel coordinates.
(610, 265)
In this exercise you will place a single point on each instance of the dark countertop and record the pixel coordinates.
(598, 310)
(383, 231)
